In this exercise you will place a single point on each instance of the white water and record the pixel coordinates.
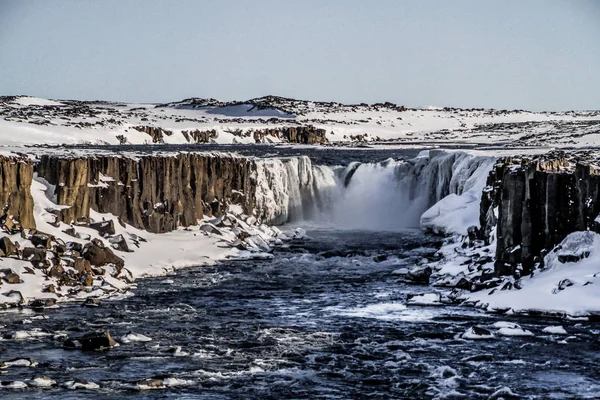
(385, 196)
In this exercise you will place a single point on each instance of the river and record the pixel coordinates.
(324, 319)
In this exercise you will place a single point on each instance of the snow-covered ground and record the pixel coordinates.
(27, 120)
(150, 254)
(560, 287)
(565, 286)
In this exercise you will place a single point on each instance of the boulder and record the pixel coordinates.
(210, 229)
(88, 280)
(41, 240)
(91, 341)
(56, 272)
(70, 231)
(7, 246)
(118, 242)
(100, 256)
(82, 265)
(91, 302)
(463, 283)
(74, 246)
(49, 289)
(59, 249)
(34, 254)
(104, 228)
(12, 278)
(419, 275)
(40, 304)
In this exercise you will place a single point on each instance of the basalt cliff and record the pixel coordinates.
(532, 203)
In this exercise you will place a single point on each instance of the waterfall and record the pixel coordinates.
(390, 195)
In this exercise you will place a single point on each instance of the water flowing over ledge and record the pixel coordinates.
(390, 195)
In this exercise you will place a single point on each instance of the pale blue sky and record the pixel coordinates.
(533, 54)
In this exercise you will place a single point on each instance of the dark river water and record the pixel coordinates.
(304, 325)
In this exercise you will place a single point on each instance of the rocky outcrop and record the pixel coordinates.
(293, 134)
(16, 174)
(198, 136)
(156, 193)
(538, 202)
(156, 133)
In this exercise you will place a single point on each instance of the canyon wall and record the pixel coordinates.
(157, 193)
(16, 174)
(535, 203)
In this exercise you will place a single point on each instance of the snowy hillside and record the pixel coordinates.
(33, 121)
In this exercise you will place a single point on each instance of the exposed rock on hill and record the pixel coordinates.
(156, 133)
(299, 134)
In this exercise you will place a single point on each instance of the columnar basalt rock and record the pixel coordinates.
(538, 202)
(16, 174)
(293, 134)
(200, 136)
(154, 192)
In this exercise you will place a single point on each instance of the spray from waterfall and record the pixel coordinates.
(391, 195)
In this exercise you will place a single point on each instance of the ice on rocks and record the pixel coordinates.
(427, 299)
(135, 337)
(514, 332)
(555, 330)
(477, 333)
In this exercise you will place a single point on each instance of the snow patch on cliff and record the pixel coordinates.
(563, 286)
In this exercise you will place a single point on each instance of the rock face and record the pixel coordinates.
(539, 202)
(156, 133)
(199, 136)
(156, 193)
(16, 174)
(297, 134)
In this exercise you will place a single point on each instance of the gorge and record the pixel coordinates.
(340, 270)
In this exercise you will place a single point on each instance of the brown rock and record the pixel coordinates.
(99, 256)
(49, 289)
(12, 278)
(56, 272)
(41, 240)
(91, 341)
(82, 266)
(105, 228)
(88, 280)
(15, 192)
(7, 246)
(34, 254)
(119, 243)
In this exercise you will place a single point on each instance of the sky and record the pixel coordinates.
(505, 54)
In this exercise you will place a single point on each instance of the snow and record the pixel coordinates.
(505, 324)
(42, 382)
(234, 121)
(36, 101)
(555, 330)
(15, 385)
(440, 191)
(135, 337)
(427, 299)
(473, 334)
(458, 211)
(81, 385)
(514, 332)
(541, 292)
(158, 255)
